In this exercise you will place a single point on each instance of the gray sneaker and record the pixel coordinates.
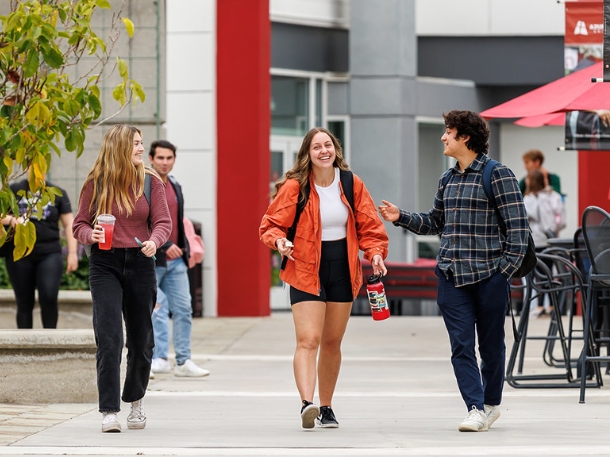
(492, 413)
(136, 419)
(110, 423)
(476, 421)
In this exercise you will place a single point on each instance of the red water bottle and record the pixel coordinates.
(377, 298)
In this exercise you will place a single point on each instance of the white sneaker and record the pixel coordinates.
(160, 366)
(190, 370)
(492, 413)
(136, 419)
(476, 421)
(110, 423)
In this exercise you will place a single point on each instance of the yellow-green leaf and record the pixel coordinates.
(55, 191)
(95, 105)
(30, 66)
(137, 88)
(2, 235)
(119, 94)
(103, 4)
(95, 91)
(70, 141)
(25, 237)
(38, 114)
(123, 68)
(9, 164)
(128, 26)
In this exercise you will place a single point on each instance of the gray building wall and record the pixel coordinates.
(383, 102)
(146, 66)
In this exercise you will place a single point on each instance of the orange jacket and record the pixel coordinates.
(365, 231)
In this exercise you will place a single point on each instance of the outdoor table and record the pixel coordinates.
(566, 243)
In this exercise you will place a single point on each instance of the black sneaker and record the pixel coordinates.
(309, 412)
(327, 418)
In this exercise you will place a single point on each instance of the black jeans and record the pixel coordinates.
(36, 271)
(123, 285)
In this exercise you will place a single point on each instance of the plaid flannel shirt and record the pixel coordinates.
(473, 247)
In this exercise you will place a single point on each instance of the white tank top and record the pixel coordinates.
(333, 211)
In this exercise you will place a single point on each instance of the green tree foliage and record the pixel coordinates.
(44, 102)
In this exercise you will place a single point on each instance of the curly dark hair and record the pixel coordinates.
(469, 123)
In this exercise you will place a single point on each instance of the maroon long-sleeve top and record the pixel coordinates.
(127, 228)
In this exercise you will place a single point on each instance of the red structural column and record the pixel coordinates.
(593, 180)
(243, 160)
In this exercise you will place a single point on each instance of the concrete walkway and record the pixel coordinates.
(396, 396)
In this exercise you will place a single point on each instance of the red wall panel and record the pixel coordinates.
(593, 180)
(243, 161)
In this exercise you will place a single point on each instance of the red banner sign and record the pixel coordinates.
(584, 23)
(584, 39)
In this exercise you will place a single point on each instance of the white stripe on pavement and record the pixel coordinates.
(542, 450)
(288, 358)
(415, 394)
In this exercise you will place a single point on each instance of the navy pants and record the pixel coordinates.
(36, 271)
(123, 286)
(479, 307)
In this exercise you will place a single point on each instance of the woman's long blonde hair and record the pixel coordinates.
(302, 167)
(114, 174)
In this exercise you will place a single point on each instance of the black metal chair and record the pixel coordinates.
(596, 235)
(555, 276)
(568, 285)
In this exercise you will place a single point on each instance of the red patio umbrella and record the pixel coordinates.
(548, 104)
(558, 119)
(572, 92)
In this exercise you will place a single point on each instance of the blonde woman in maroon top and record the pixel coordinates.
(122, 279)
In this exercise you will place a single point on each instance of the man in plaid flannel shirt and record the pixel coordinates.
(475, 261)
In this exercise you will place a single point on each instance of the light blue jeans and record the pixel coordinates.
(173, 296)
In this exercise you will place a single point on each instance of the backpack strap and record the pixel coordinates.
(487, 170)
(147, 178)
(489, 167)
(290, 234)
(347, 182)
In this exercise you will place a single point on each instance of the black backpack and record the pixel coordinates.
(529, 260)
(347, 182)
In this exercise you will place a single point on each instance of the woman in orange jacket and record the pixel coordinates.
(323, 268)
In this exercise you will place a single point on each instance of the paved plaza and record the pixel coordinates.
(396, 396)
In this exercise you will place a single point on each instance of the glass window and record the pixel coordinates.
(277, 165)
(318, 120)
(338, 129)
(289, 105)
(432, 163)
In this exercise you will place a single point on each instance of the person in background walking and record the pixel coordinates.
(323, 267)
(475, 261)
(41, 269)
(533, 160)
(122, 280)
(173, 289)
(547, 216)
